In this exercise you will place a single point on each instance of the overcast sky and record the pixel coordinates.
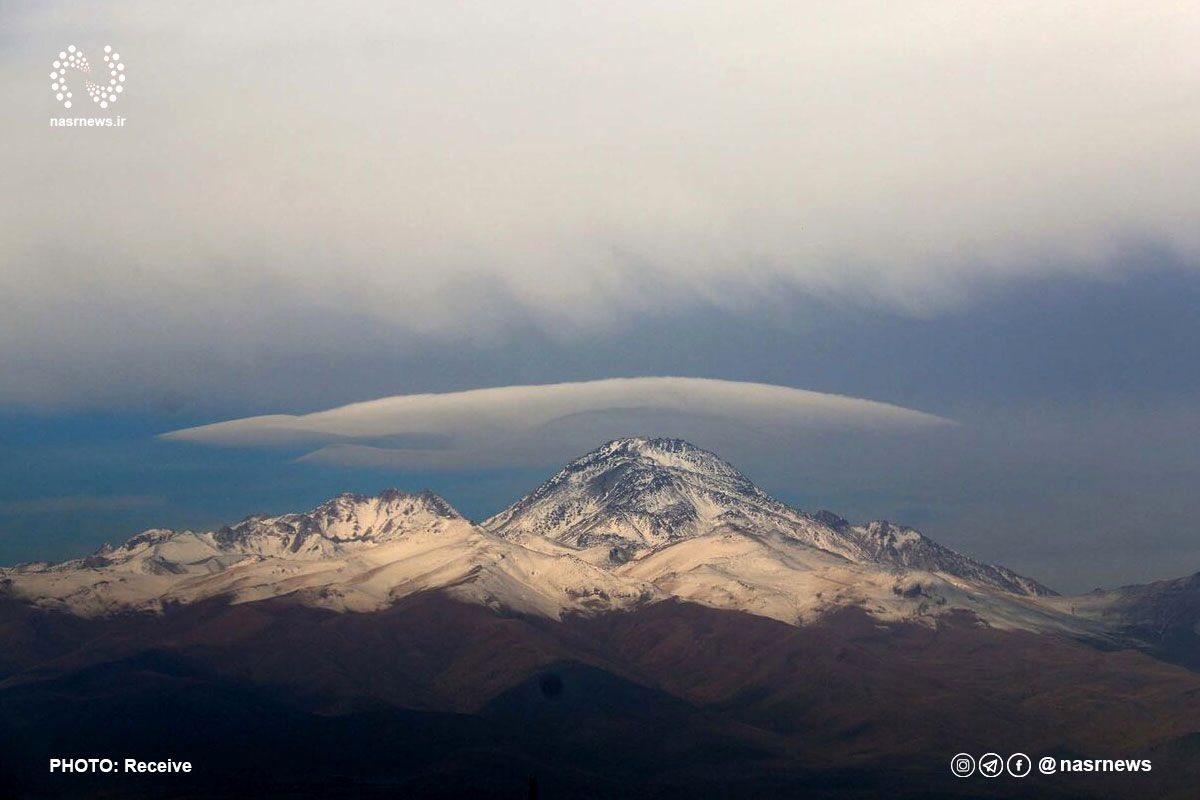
(986, 212)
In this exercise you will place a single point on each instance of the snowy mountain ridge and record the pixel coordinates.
(347, 518)
(635, 495)
(636, 521)
(351, 553)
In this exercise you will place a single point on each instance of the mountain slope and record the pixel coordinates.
(883, 542)
(633, 496)
(639, 494)
(1163, 614)
(353, 552)
(347, 518)
(636, 521)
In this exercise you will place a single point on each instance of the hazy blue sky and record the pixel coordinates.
(984, 212)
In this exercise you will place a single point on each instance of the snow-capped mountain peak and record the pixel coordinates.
(343, 519)
(673, 454)
(635, 521)
(631, 497)
(637, 494)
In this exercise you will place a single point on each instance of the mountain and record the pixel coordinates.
(1163, 614)
(345, 519)
(353, 552)
(636, 521)
(633, 496)
(636, 495)
(647, 623)
(883, 542)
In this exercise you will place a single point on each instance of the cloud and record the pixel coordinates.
(288, 179)
(519, 425)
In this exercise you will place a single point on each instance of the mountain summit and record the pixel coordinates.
(639, 494)
(344, 519)
(633, 496)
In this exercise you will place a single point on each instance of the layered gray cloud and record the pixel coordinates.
(290, 177)
(513, 426)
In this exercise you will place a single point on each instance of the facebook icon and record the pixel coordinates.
(1019, 765)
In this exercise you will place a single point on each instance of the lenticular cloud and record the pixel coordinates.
(534, 424)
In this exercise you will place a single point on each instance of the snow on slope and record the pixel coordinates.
(346, 519)
(639, 494)
(883, 542)
(632, 496)
(774, 576)
(352, 553)
(636, 521)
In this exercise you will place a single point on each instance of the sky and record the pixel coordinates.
(981, 213)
